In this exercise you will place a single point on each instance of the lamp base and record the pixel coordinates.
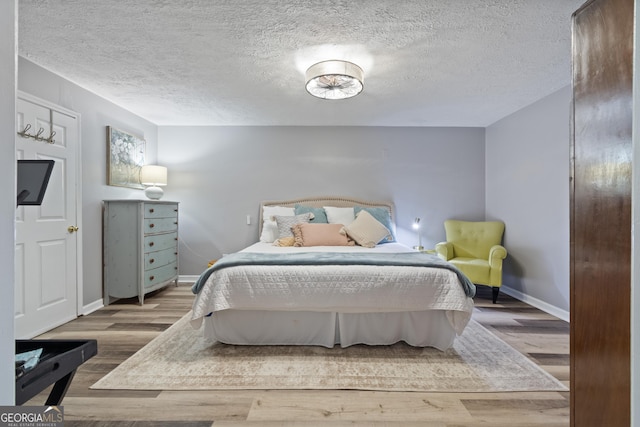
(153, 193)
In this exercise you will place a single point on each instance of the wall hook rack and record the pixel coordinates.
(38, 135)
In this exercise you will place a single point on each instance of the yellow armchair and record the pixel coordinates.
(476, 249)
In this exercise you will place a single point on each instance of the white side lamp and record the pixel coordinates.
(416, 226)
(154, 177)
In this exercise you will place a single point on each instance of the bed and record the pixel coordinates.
(330, 295)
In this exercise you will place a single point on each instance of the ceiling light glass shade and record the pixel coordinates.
(334, 79)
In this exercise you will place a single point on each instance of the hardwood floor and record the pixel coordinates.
(124, 327)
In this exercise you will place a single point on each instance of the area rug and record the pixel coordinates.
(181, 359)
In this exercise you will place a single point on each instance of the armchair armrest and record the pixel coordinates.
(445, 250)
(496, 254)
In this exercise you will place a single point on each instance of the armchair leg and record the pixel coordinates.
(496, 291)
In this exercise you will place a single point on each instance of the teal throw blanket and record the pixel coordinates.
(410, 259)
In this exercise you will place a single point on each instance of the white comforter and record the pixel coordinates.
(343, 289)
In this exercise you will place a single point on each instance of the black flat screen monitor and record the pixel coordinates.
(33, 177)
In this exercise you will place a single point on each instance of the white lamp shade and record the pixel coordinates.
(153, 175)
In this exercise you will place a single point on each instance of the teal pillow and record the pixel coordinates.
(320, 215)
(383, 216)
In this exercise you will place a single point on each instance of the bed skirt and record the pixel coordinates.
(262, 327)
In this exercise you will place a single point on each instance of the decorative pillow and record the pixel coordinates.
(319, 215)
(366, 230)
(307, 234)
(342, 216)
(269, 226)
(284, 241)
(286, 222)
(381, 214)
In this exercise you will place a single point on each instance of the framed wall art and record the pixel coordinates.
(125, 157)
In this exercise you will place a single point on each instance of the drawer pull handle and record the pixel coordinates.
(175, 222)
(151, 225)
(151, 261)
(152, 277)
(175, 238)
(151, 210)
(151, 243)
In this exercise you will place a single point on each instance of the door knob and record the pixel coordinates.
(72, 228)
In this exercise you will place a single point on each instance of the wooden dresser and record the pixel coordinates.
(140, 247)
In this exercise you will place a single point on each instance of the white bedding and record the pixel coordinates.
(334, 289)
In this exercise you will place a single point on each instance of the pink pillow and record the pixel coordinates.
(307, 234)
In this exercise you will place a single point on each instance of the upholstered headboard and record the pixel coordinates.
(318, 202)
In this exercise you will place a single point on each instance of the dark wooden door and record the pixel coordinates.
(601, 214)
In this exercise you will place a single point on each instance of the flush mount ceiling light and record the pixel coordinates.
(334, 79)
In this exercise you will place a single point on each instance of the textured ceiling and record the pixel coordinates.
(204, 62)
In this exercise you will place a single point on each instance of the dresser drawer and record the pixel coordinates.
(153, 210)
(161, 274)
(160, 225)
(159, 258)
(159, 242)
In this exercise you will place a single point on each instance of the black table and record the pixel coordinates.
(57, 365)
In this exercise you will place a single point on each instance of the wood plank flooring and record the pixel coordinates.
(124, 327)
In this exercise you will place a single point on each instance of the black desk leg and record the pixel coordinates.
(60, 389)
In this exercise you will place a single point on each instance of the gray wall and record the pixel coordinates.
(8, 26)
(96, 114)
(220, 174)
(527, 182)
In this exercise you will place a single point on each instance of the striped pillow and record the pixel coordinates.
(286, 222)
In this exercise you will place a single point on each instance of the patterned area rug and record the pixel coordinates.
(181, 359)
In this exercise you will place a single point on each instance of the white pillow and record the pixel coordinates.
(366, 230)
(344, 216)
(269, 226)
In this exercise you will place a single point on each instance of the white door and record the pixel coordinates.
(46, 247)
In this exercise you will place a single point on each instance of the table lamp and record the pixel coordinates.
(416, 226)
(154, 177)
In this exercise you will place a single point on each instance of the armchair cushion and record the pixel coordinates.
(477, 270)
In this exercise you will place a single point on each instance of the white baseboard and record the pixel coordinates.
(535, 302)
(90, 308)
(187, 278)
